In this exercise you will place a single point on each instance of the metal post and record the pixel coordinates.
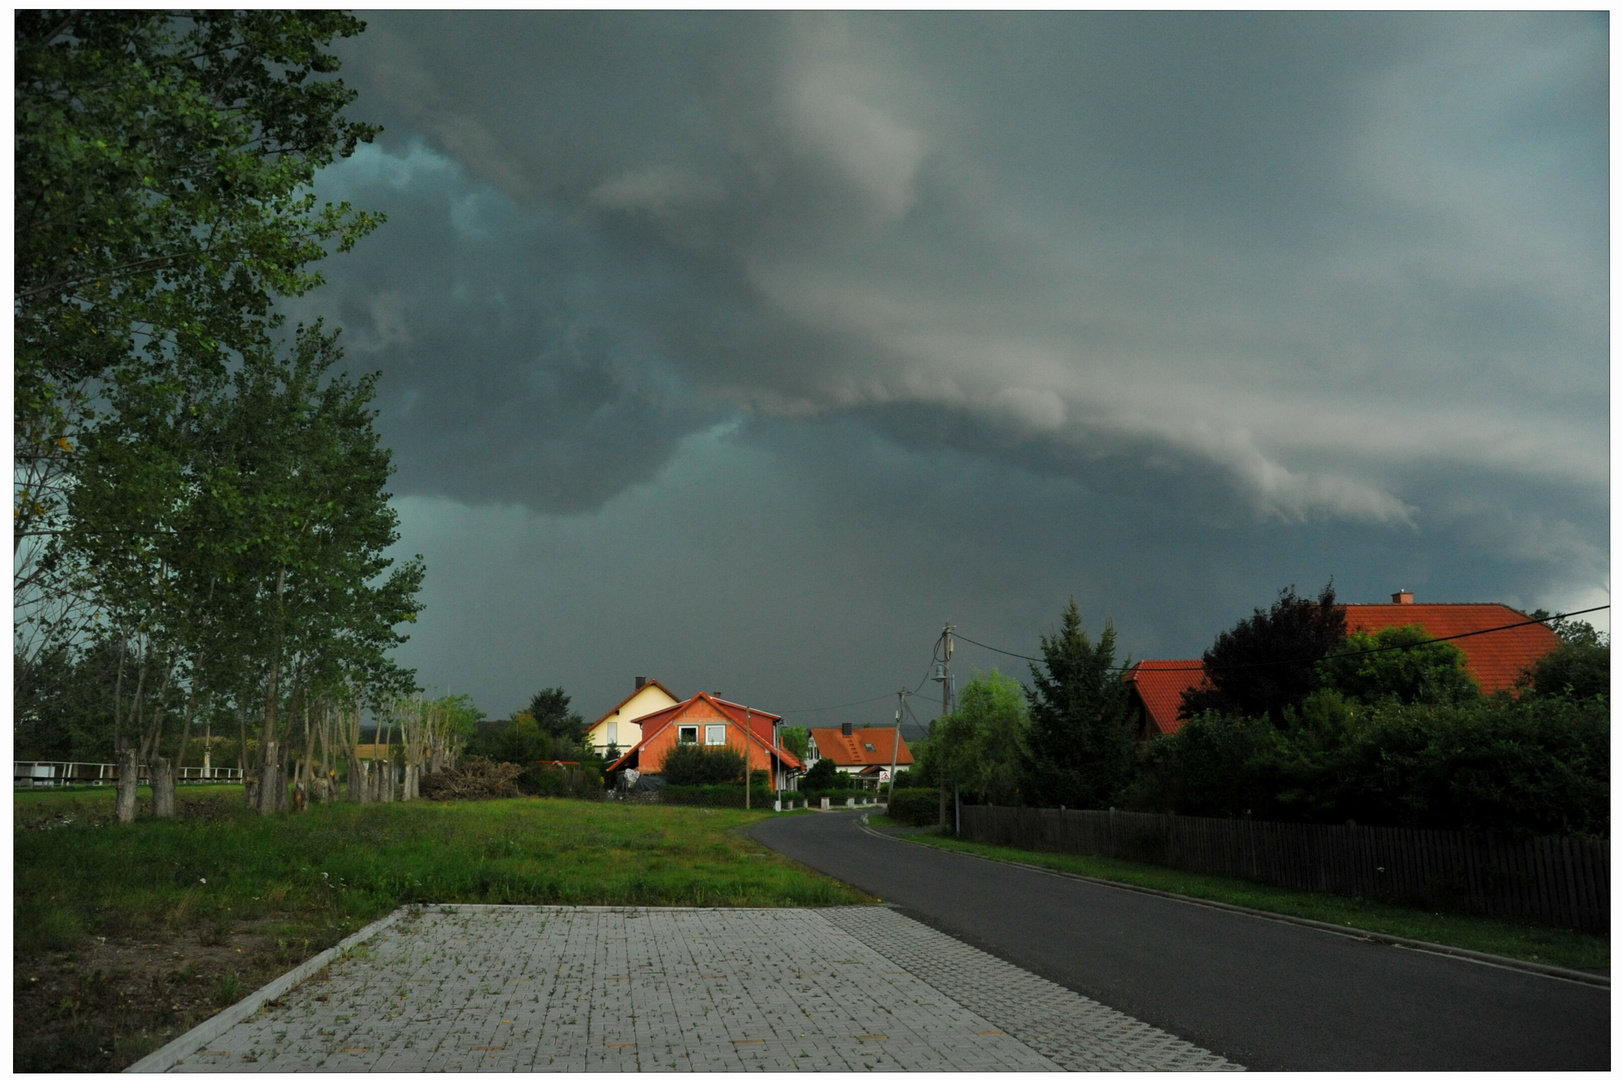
(895, 748)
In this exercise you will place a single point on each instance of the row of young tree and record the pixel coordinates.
(1297, 721)
(200, 505)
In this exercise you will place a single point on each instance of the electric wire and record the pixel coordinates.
(1201, 666)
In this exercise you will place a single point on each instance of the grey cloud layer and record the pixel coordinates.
(1163, 310)
(1301, 254)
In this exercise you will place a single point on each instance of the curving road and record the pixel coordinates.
(1265, 994)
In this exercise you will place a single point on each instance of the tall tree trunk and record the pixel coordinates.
(250, 784)
(128, 777)
(358, 780)
(163, 788)
(269, 757)
(271, 783)
(309, 759)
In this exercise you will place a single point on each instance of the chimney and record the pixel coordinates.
(1402, 596)
(641, 681)
(844, 729)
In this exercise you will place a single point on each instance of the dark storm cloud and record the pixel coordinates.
(1247, 287)
(1249, 242)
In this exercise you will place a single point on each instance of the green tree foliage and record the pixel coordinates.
(1539, 766)
(550, 708)
(796, 740)
(1580, 667)
(65, 699)
(1080, 746)
(162, 170)
(1215, 766)
(691, 765)
(1269, 662)
(825, 776)
(215, 495)
(521, 741)
(981, 746)
(1400, 663)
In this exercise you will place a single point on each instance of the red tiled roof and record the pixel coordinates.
(852, 749)
(1159, 684)
(1494, 659)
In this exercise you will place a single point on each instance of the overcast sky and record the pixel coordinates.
(742, 351)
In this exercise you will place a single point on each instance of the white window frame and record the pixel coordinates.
(715, 734)
(681, 735)
(613, 733)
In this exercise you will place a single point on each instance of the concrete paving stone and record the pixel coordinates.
(475, 988)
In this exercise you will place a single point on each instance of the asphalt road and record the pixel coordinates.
(1265, 994)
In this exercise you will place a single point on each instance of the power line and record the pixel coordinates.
(993, 648)
(1201, 666)
(846, 705)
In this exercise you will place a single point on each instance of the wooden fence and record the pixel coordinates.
(1557, 880)
(29, 774)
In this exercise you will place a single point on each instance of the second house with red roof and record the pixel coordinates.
(1498, 644)
(864, 753)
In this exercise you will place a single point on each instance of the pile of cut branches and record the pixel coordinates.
(472, 780)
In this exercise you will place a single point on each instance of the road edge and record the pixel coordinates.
(170, 1054)
(1492, 960)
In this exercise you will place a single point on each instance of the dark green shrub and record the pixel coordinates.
(915, 806)
(1540, 766)
(1215, 766)
(717, 795)
(569, 782)
(1580, 667)
(690, 765)
(825, 776)
(1401, 663)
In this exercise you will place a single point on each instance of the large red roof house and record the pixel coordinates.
(707, 720)
(862, 752)
(1495, 658)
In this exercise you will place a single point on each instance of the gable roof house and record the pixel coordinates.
(862, 752)
(707, 720)
(1495, 656)
(617, 729)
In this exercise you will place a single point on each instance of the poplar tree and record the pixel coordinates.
(161, 203)
(1080, 750)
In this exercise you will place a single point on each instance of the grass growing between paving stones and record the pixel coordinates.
(1542, 944)
(126, 936)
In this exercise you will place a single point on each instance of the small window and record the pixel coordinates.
(870, 749)
(613, 733)
(687, 734)
(715, 735)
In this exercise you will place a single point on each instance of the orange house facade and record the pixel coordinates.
(708, 721)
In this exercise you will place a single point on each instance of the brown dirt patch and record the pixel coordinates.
(107, 1004)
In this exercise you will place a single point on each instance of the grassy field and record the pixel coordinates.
(1543, 944)
(193, 913)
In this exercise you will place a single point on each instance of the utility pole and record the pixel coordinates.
(748, 730)
(943, 675)
(895, 748)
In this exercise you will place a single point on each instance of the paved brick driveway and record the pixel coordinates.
(632, 989)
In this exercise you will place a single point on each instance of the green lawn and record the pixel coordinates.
(338, 866)
(1543, 944)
